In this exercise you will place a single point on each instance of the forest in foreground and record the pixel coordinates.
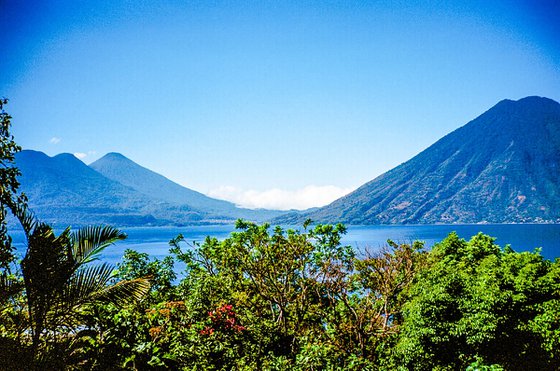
(274, 299)
(268, 299)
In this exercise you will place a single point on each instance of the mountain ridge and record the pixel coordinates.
(501, 167)
(62, 190)
(120, 168)
(53, 183)
(495, 169)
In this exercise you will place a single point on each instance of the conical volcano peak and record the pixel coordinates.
(114, 156)
(501, 167)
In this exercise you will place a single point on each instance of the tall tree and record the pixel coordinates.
(10, 199)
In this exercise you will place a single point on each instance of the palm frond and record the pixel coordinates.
(9, 286)
(46, 266)
(88, 242)
(125, 292)
(92, 283)
(85, 284)
(88, 285)
(26, 217)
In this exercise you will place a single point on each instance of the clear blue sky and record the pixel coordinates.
(232, 97)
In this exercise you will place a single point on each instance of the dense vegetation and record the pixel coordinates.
(269, 299)
(276, 299)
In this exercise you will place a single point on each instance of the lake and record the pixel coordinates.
(521, 237)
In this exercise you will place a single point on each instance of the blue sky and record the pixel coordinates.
(274, 104)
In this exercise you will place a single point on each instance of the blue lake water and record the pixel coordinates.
(521, 237)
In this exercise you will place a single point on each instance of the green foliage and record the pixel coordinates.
(478, 365)
(12, 314)
(285, 299)
(60, 288)
(261, 299)
(9, 197)
(475, 301)
(160, 272)
(274, 299)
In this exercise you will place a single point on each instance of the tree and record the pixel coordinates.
(12, 318)
(161, 272)
(59, 281)
(476, 303)
(10, 199)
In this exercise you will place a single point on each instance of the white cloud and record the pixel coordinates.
(55, 140)
(82, 155)
(279, 199)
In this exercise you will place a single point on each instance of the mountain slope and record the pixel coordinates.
(119, 168)
(63, 190)
(503, 166)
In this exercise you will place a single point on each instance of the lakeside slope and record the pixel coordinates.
(502, 167)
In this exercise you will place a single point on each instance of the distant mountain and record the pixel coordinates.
(62, 190)
(502, 167)
(119, 168)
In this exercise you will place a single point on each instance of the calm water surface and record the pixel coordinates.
(521, 237)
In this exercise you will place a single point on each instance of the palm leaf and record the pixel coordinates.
(26, 218)
(90, 241)
(125, 292)
(93, 284)
(89, 285)
(9, 286)
(85, 283)
(58, 284)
